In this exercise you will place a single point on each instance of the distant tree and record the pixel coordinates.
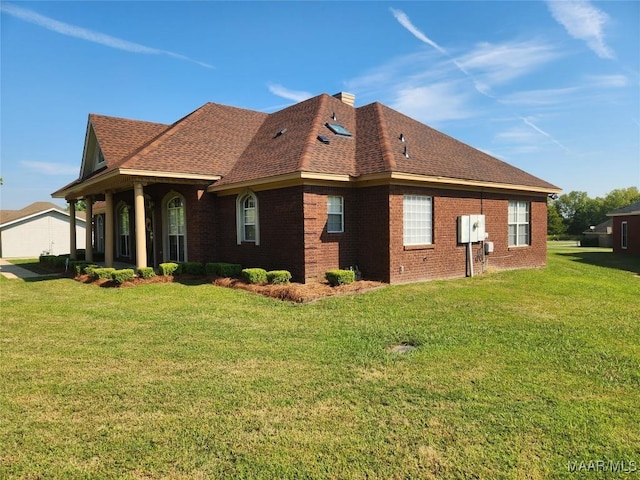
(81, 206)
(555, 222)
(618, 198)
(1, 181)
(579, 212)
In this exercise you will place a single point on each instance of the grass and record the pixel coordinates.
(516, 374)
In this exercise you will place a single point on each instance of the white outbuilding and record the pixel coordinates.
(40, 228)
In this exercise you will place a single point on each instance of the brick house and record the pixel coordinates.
(318, 185)
(626, 229)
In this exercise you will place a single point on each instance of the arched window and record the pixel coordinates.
(247, 219)
(124, 236)
(176, 230)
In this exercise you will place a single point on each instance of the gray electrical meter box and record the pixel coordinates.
(471, 228)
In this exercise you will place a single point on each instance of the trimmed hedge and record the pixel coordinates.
(278, 277)
(124, 275)
(80, 266)
(222, 269)
(54, 260)
(255, 275)
(103, 273)
(170, 268)
(146, 272)
(340, 277)
(192, 268)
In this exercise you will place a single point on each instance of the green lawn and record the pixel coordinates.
(516, 375)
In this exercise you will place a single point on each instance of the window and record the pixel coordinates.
(100, 233)
(338, 129)
(124, 232)
(518, 224)
(417, 220)
(335, 214)
(99, 156)
(623, 235)
(176, 230)
(247, 219)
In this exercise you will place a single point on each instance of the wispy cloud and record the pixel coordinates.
(584, 22)
(89, 35)
(404, 20)
(48, 168)
(432, 104)
(532, 125)
(497, 64)
(295, 95)
(494, 64)
(607, 81)
(542, 97)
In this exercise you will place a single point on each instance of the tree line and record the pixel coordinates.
(574, 212)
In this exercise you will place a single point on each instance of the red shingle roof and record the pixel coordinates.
(243, 145)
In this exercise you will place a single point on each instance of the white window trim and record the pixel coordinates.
(240, 218)
(406, 228)
(341, 213)
(624, 235)
(528, 223)
(165, 225)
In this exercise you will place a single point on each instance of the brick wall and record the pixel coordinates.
(633, 234)
(293, 231)
(446, 258)
(281, 235)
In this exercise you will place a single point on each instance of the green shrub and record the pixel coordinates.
(46, 259)
(103, 273)
(168, 269)
(222, 269)
(340, 277)
(254, 275)
(121, 276)
(146, 272)
(278, 277)
(192, 268)
(80, 266)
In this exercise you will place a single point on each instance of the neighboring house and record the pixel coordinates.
(602, 234)
(626, 229)
(40, 228)
(318, 185)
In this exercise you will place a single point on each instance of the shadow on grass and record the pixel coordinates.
(607, 259)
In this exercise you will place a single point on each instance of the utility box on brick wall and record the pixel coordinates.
(471, 228)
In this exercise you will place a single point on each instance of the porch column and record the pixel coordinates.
(141, 233)
(108, 230)
(88, 245)
(73, 253)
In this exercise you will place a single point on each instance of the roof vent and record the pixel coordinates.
(406, 152)
(324, 139)
(348, 98)
(402, 138)
(281, 132)
(333, 116)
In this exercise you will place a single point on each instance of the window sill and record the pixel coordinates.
(431, 246)
(518, 247)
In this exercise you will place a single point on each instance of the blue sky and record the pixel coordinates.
(550, 87)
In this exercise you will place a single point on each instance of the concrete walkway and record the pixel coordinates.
(9, 270)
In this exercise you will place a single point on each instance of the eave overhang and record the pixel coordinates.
(376, 179)
(124, 178)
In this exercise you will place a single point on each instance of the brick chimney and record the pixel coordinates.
(348, 98)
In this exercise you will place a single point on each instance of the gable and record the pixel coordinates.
(110, 139)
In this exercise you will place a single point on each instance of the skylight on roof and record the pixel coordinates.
(338, 129)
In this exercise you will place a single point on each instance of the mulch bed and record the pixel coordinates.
(293, 292)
